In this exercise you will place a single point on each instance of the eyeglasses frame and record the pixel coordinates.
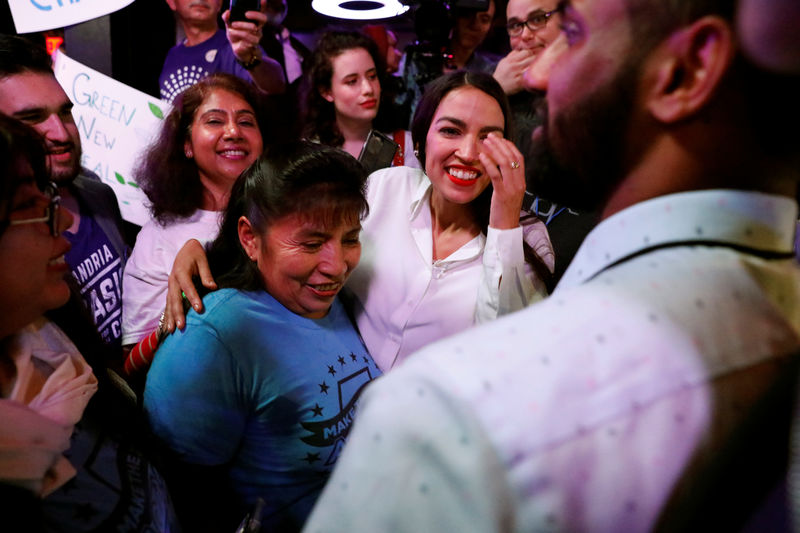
(51, 211)
(528, 22)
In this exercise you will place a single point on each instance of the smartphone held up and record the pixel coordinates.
(378, 152)
(240, 7)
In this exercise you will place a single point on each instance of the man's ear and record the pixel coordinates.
(248, 238)
(171, 4)
(689, 67)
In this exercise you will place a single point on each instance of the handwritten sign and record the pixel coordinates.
(41, 15)
(116, 123)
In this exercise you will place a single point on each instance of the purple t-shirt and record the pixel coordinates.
(185, 65)
(97, 267)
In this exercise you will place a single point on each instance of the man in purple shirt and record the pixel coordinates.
(208, 49)
(100, 239)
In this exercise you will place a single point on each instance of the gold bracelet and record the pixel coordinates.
(251, 63)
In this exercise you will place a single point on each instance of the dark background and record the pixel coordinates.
(130, 44)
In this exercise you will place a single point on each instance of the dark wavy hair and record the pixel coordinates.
(423, 118)
(319, 115)
(305, 178)
(19, 145)
(169, 178)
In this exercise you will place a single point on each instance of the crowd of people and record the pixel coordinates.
(568, 300)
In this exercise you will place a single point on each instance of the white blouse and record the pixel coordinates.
(406, 300)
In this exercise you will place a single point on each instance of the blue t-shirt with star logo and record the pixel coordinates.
(267, 392)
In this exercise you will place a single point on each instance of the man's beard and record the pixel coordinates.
(579, 161)
(61, 175)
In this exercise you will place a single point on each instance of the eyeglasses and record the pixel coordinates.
(50, 213)
(535, 22)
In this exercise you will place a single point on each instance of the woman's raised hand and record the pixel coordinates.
(506, 168)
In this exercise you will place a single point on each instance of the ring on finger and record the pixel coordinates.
(515, 164)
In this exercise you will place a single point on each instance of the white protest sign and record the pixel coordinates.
(41, 15)
(115, 123)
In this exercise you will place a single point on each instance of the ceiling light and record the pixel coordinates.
(359, 9)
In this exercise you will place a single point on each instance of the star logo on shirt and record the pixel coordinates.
(353, 357)
(311, 458)
(323, 387)
(331, 370)
(341, 360)
(317, 410)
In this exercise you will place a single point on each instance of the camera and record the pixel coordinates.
(433, 22)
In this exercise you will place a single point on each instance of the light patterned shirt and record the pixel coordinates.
(587, 411)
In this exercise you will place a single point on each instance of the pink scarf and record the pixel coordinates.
(52, 386)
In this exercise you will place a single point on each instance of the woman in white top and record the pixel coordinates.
(343, 99)
(443, 247)
(210, 137)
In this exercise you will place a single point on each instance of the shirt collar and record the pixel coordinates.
(763, 222)
(418, 197)
(419, 216)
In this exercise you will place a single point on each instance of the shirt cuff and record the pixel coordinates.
(503, 248)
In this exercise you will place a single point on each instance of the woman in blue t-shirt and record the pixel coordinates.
(256, 397)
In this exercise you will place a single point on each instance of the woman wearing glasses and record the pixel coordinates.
(28, 213)
(51, 211)
(71, 454)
